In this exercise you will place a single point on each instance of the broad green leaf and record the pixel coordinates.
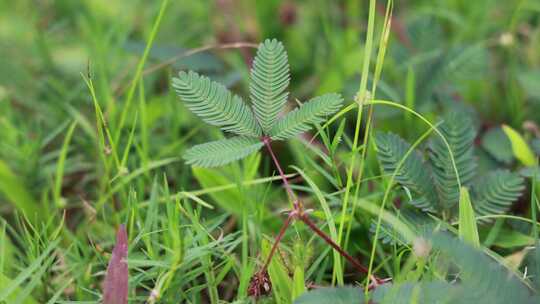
(333, 295)
(229, 199)
(16, 192)
(468, 231)
(520, 147)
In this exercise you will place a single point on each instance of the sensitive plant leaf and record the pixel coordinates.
(334, 295)
(421, 223)
(495, 192)
(459, 132)
(468, 231)
(481, 279)
(423, 292)
(413, 172)
(269, 81)
(215, 105)
(301, 119)
(465, 62)
(520, 147)
(115, 287)
(221, 152)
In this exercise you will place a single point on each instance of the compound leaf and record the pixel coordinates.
(221, 152)
(269, 82)
(459, 133)
(413, 173)
(215, 105)
(301, 119)
(495, 193)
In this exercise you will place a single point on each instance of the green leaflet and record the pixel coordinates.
(479, 280)
(460, 133)
(300, 120)
(495, 193)
(413, 174)
(521, 149)
(222, 152)
(269, 82)
(215, 105)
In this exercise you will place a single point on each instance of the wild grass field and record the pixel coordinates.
(279, 151)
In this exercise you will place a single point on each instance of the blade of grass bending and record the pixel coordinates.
(360, 96)
(329, 220)
(431, 125)
(61, 164)
(4, 281)
(521, 150)
(184, 194)
(126, 179)
(115, 287)
(139, 70)
(367, 133)
(37, 278)
(102, 128)
(385, 199)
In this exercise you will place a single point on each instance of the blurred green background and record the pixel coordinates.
(481, 56)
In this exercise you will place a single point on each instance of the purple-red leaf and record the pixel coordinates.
(115, 287)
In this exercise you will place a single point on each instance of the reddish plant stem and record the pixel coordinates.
(298, 213)
(266, 140)
(277, 240)
(361, 268)
(330, 242)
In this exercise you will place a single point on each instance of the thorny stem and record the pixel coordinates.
(298, 213)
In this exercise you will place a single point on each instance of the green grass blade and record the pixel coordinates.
(468, 231)
(60, 166)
